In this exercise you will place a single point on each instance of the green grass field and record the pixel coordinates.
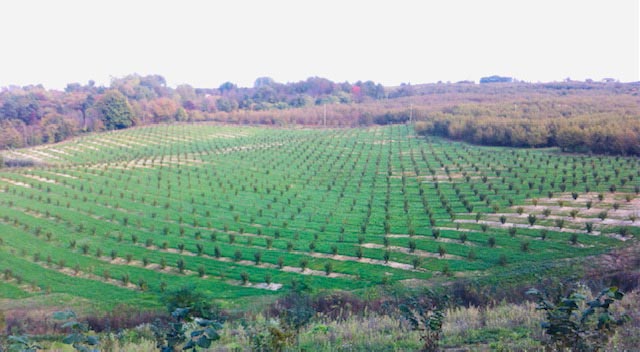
(240, 211)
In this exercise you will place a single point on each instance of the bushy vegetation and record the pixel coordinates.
(572, 324)
(390, 318)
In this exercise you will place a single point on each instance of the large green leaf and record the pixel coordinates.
(92, 340)
(72, 338)
(64, 315)
(204, 342)
(212, 334)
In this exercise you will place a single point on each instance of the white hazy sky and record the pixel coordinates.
(205, 43)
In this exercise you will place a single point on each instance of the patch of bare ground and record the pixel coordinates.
(59, 151)
(45, 154)
(176, 251)
(265, 286)
(39, 178)
(432, 178)
(75, 149)
(417, 252)
(507, 225)
(131, 141)
(441, 228)
(248, 147)
(229, 135)
(25, 156)
(607, 198)
(87, 146)
(391, 264)
(439, 239)
(627, 203)
(307, 271)
(109, 142)
(15, 183)
(154, 266)
(63, 175)
(451, 240)
(383, 141)
(626, 214)
(90, 276)
(262, 264)
(398, 235)
(262, 285)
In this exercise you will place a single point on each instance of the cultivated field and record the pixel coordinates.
(241, 211)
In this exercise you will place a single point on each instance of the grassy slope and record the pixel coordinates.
(128, 193)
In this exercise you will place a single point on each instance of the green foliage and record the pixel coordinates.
(22, 343)
(237, 255)
(78, 337)
(502, 260)
(416, 262)
(425, 313)
(188, 297)
(573, 239)
(573, 323)
(531, 219)
(295, 311)
(491, 242)
(244, 276)
(412, 246)
(115, 111)
(181, 265)
(299, 313)
(270, 335)
(186, 331)
(543, 234)
(328, 268)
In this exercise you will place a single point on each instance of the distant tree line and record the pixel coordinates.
(32, 115)
(610, 127)
(598, 117)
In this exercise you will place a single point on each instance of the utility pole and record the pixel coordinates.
(324, 115)
(410, 113)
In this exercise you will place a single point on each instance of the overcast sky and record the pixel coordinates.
(205, 43)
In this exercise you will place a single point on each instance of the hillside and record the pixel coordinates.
(130, 213)
(248, 213)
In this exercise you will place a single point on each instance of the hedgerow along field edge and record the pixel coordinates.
(240, 212)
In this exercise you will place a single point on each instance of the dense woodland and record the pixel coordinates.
(596, 117)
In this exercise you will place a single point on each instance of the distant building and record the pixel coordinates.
(496, 79)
